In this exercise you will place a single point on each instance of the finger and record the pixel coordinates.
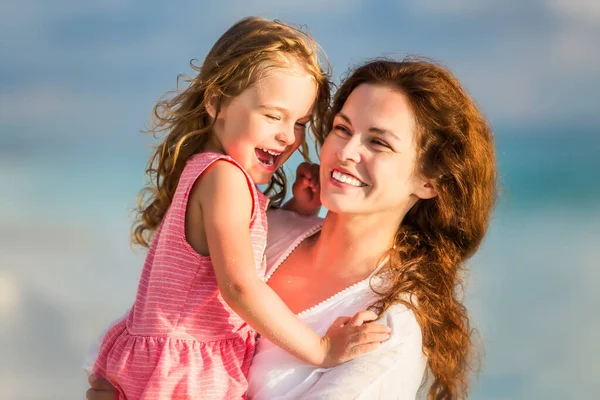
(315, 169)
(362, 317)
(310, 179)
(369, 337)
(93, 394)
(99, 383)
(302, 168)
(374, 327)
(341, 321)
(361, 349)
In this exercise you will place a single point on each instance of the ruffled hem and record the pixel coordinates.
(145, 367)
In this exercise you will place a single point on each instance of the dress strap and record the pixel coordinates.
(194, 168)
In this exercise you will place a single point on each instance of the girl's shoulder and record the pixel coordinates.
(199, 162)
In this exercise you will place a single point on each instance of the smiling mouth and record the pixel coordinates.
(347, 179)
(267, 157)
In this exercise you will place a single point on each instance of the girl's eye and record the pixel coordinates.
(300, 127)
(273, 117)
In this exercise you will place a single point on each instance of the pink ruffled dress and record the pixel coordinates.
(181, 340)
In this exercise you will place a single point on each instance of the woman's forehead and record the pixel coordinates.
(379, 106)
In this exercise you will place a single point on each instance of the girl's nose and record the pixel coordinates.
(287, 136)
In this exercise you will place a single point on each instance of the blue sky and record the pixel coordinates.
(77, 83)
(75, 69)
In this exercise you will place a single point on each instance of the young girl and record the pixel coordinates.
(201, 297)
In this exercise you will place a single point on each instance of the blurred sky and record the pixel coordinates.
(77, 83)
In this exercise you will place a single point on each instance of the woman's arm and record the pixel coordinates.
(225, 201)
(100, 389)
(393, 371)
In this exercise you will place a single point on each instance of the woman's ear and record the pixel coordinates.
(425, 189)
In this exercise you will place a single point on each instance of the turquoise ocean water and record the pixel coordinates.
(67, 269)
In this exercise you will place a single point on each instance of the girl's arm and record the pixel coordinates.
(393, 371)
(226, 203)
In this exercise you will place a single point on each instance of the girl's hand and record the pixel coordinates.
(306, 190)
(101, 389)
(348, 338)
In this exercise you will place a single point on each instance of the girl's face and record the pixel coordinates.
(368, 160)
(265, 124)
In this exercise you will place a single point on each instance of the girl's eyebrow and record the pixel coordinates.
(373, 129)
(281, 110)
(274, 108)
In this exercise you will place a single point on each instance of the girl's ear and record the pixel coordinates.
(212, 106)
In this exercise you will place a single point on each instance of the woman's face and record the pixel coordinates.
(368, 159)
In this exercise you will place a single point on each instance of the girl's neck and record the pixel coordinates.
(352, 245)
(212, 146)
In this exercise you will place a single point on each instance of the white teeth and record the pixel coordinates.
(271, 152)
(350, 180)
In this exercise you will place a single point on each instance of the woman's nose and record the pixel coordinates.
(350, 151)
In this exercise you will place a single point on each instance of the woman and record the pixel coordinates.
(408, 175)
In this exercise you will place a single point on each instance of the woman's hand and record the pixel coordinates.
(306, 190)
(350, 337)
(100, 389)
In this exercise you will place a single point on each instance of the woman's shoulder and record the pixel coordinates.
(289, 225)
(401, 316)
(286, 228)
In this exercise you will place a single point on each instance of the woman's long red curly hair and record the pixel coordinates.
(455, 151)
(236, 61)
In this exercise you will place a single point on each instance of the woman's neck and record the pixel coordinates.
(352, 245)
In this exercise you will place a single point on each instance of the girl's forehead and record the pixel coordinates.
(285, 89)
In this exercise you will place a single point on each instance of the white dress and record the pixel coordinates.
(394, 371)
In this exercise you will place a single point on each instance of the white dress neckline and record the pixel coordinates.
(313, 230)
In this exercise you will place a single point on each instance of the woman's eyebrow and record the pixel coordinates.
(378, 131)
(383, 132)
(345, 118)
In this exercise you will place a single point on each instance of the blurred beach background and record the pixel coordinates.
(77, 83)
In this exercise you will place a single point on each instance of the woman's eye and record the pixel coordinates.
(301, 125)
(380, 143)
(341, 129)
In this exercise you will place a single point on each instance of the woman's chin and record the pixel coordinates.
(338, 204)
